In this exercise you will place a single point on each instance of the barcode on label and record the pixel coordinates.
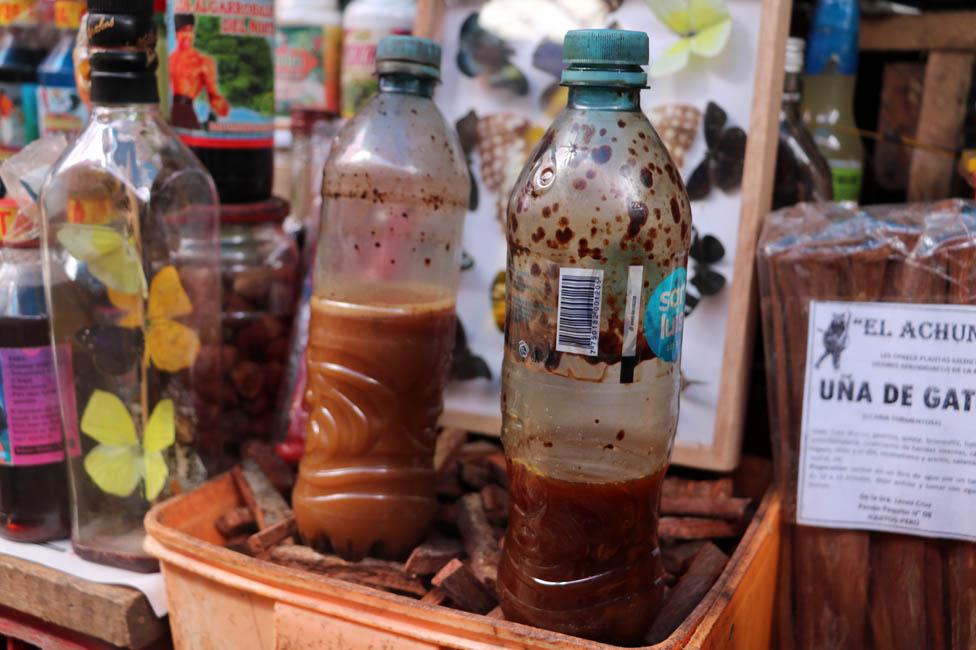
(578, 318)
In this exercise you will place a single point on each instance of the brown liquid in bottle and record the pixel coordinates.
(378, 359)
(582, 558)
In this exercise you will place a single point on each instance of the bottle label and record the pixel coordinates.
(60, 110)
(30, 414)
(305, 70)
(665, 317)
(20, 12)
(846, 176)
(221, 69)
(886, 434)
(359, 81)
(68, 13)
(18, 117)
(578, 312)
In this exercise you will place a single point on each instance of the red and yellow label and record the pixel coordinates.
(68, 13)
(17, 11)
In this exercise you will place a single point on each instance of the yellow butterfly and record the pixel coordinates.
(110, 257)
(119, 461)
(703, 25)
(170, 345)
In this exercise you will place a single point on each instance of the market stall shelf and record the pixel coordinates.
(51, 609)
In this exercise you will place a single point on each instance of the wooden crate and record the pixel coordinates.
(253, 604)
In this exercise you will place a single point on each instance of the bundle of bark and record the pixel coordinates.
(456, 566)
(846, 589)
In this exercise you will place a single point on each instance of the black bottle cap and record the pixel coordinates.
(121, 23)
(124, 77)
(122, 35)
(133, 7)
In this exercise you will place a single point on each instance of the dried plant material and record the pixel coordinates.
(704, 570)
(468, 592)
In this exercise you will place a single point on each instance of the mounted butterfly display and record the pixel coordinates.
(706, 251)
(724, 160)
(703, 28)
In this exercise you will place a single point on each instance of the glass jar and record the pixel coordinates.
(260, 274)
(121, 209)
(33, 479)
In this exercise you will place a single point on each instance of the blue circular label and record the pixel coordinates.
(664, 318)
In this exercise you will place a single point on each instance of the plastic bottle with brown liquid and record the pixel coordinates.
(382, 318)
(599, 228)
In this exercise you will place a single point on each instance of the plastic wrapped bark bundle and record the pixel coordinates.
(870, 340)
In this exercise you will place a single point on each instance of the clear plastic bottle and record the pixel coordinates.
(828, 104)
(364, 23)
(59, 106)
(599, 229)
(802, 172)
(122, 208)
(382, 316)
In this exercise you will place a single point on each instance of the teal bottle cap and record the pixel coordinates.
(410, 55)
(605, 57)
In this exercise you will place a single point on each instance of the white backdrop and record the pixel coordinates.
(726, 80)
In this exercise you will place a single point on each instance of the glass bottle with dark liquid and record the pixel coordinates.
(221, 73)
(382, 314)
(33, 476)
(599, 228)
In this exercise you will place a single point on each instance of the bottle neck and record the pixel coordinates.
(604, 98)
(133, 112)
(401, 83)
(129, 91)
(792, 95)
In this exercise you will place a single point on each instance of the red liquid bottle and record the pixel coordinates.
(33, 477)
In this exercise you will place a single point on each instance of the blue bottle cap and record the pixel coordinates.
(408, 54)
(833, 38)
(605, 57)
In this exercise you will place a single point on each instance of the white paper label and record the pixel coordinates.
(578, 316)
(632, 310)
(889, 419)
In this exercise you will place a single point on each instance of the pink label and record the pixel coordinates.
(30, 416)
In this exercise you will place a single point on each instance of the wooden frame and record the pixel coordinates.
(756, 198)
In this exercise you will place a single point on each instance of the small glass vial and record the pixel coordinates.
(121, 209)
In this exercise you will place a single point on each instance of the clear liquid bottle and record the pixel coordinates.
(599, 229)
(802, 172)
(828, 103)
(130, 217)
(382, 314)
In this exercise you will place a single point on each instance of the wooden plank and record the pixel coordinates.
(947, 81)
(738, 611)
(430, 19)
(830, 588)
(944, 30)
(118, 615)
